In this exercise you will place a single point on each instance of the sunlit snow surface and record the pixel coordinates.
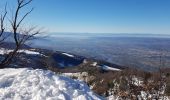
(109, 68)
(7, 51)
(68, 54)
(28, 84)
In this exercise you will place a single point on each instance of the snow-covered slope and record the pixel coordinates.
(105, 67)
(7, 51)
(28, 84)
(68, 54)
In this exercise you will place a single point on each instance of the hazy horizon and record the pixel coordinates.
(108, 34)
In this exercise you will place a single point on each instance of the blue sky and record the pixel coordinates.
(101, 16)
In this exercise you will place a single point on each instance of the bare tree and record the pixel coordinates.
(2, 19)
(20, 34)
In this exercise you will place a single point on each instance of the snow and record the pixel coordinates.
(29, 52)
(82, 76)
(4, 51)
(7, 51)
(29, 84)
(113, 97)
(137, 81)
(76, 74)
(94, 64)
(68, 54)
(109, 68)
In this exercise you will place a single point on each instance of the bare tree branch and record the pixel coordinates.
(20, 37)
(19, 23)
(24, 4)
(2, 19)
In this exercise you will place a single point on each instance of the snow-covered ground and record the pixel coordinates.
(112, 97)
(28, 84)
(105, 67)
(69, 55)
(82, 76)
(7, 51)
(94, 64)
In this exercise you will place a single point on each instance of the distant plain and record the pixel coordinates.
(143, 51)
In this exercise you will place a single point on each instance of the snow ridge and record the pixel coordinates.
(28, 84)
(6, 51)
(69, 55)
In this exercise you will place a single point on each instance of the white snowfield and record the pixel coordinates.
(7, 51)
(69, 55)
(28, 84)
(109, 68)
